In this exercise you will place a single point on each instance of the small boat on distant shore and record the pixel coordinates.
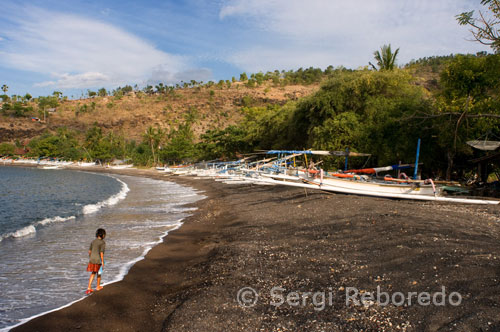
(85, 164)
(51, 167)
(121, 166)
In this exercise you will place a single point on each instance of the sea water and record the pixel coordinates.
(48, 219)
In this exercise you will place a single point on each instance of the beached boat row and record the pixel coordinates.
(51, 163)
(280, 168)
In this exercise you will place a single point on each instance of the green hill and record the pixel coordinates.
(445, 101)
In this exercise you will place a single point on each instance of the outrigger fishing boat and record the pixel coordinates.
(282, 168)
(351, 179)
(357, 181)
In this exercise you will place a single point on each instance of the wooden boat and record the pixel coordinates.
(121, 166)
(283, 180)
(85, 164)
(51, 167)
(367, 184)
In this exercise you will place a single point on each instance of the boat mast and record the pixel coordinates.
(416, 161)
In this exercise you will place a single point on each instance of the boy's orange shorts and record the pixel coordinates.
(93, 267)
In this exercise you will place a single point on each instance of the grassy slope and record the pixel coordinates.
(132, 114)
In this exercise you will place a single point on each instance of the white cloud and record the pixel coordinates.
(79, 52)
(162, 74)
(296, 33)
(67, 81)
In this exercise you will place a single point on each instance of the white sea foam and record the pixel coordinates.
(47, 221)
(25, 231)
(91, 208)
(31, 229)
(125, 268)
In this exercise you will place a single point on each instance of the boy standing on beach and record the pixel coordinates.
(96, 259)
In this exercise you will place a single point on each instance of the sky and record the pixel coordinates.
(77, 45)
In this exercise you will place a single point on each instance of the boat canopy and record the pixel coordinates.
(321, 153)
(484, 145)
(299, 152)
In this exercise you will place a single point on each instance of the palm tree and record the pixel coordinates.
(386, 60)
(149, 136)
(160, 88)
(154, 137)
(5, 88)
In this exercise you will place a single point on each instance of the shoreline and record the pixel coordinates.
(108, 202)
(264, 237)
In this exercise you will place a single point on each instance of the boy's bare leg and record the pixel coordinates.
(92, 275)
(98, 288)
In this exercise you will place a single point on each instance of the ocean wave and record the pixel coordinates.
(126, 267)
(47, 221)
(91, 208)
(31, 229)
(181, 209)
(25, 231)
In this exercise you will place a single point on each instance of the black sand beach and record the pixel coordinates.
(303, 242)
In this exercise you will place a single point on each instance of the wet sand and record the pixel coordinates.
(303, 241)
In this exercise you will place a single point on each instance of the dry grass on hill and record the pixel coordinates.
(133, 114)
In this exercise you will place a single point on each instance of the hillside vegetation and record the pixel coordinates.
(445, 101)
(131, 114)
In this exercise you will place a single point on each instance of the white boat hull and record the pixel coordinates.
(379, 187)
(385, 195)
(363, 185)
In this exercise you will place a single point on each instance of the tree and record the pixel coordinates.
(180, 144)
(160, 88)
(386, 60)
(484, 29)
(243, 77)
(57, 94)
(226, 143)
(102, 92)
(6, 149)
(47, 101)
(127, 89)
(154, 137)
(44, 102)
(363, 110)
(5, 88)
(97, 145)
(468, 105)
(61, 144)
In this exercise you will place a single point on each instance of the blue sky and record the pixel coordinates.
(73, 45)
